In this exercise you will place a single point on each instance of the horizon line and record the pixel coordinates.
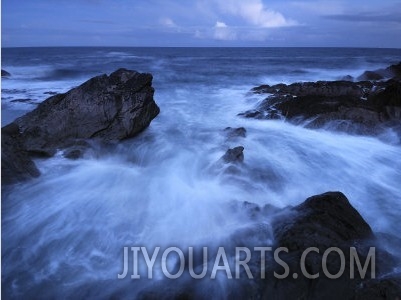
(343, 47)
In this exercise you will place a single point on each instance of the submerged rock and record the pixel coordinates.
(235, 132)
(234, 155)
(107, 108)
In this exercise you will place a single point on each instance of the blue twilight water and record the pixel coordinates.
(63, 234)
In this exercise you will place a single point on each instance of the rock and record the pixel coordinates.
(319, 88)
(363, 107)
(234, 155)
(324, 221)
(347, 78)
(385, 288)
(107, 108)
(235, 132)
(111, 107)
(4, 73)
(393, 71)
(370, 75)
(332, 218)
(388, 100)
(16, 164)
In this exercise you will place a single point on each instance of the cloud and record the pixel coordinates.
(223, 32)
(167, 22)
(220, 25)
(255, 13)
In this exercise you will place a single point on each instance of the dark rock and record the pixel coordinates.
(393, 71)
(255, 114)
(234, 155)
(77, 149)
(73, 153)
(108, 108)
(332, 218)
(16, 165)
(370, 75)
(363, 107)
(4, 73)
(347, 78)
(27, 100)
(325, 221)
(235, 132)
(388, 100)
(380, 289)
(111, 107)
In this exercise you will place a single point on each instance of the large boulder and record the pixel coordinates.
(109, 108)
(322, 222)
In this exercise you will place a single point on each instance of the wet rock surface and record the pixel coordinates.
(106, 108)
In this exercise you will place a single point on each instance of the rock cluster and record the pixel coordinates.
(363, 107)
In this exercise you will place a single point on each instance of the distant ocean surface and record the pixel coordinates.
(36, 71)
(63, 233)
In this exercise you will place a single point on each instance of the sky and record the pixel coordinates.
(225, 23)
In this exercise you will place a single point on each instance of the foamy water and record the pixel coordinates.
(63, 234)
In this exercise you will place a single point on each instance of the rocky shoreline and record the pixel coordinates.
(121, 105)
(355, 107)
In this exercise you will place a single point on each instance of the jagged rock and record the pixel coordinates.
(363, 107)
(370, 75)
(107, 108)
(234, 155)
(393, 71)
(111, 107)
(235, 132)
(4, 73)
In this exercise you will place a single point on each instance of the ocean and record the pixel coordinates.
(63, 233)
